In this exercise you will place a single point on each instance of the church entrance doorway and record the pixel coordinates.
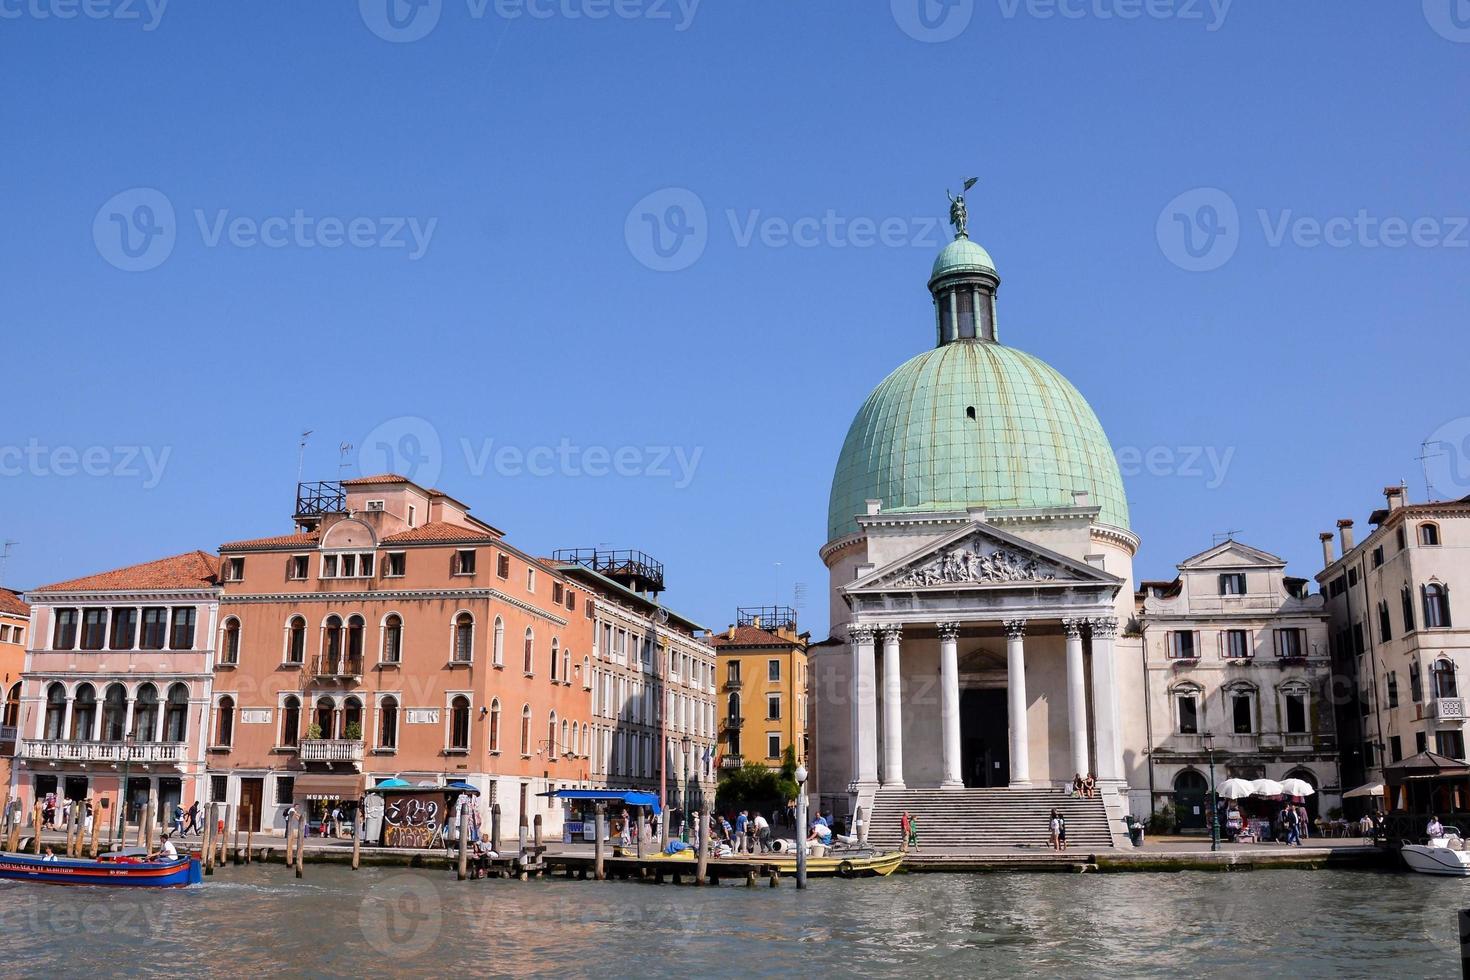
(984, 737)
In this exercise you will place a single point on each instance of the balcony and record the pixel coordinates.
(117, 753)
(331, 750)
(731, 762)
(732, 722)
(340, 668)
(1446, 709)
(732, 683)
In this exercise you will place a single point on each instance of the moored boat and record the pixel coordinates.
(81, 871)
(860, 864)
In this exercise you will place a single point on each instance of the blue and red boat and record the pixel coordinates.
(121, 871)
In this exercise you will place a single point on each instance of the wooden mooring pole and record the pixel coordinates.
(495, 827)
(234, 819)
(36, 822)
(464, 843)
(290, 840)
(300, 845)
(249, 832)
(206, 843)
(598, 870)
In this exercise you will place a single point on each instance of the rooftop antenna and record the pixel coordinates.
(798, 596)
(5, 557)
(1424, 457)
(301, 454)
(343, 463)
(778, 581)
(1222, 536)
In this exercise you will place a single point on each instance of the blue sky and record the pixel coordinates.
(401, 240)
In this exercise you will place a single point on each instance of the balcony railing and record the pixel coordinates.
(1447, 709)
(732, 683)
(338, 667)
(119, 752)
(331, 750)
(732, 722)
(731, 762)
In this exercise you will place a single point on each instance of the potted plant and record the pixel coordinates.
(354, 732)
(313, 731)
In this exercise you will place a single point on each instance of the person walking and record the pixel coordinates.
(742, 830)
(179, 819)
(1288, 823)
(193, 824)
(904, 821)
(762, 832)
(911, 839)
(1058, 831)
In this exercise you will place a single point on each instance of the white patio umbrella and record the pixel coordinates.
(1367, 789)
(1234, 789)
(1297, 787)
(1267, 787)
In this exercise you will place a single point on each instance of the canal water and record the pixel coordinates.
(258, 920)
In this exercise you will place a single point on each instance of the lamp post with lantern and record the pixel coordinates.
(801, 834)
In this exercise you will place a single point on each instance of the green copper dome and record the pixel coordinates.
(974, 424)
(962, 255)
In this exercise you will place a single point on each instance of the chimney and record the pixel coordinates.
(875, 506)
(1394, 496)
(731, 635)
(1326, 538)
(1345, 531)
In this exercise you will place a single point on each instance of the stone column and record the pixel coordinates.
(1105, 701)
(1016, 702)
(66, 718)
(1076, 695)
(892, 708)
(864, 708)
(949, 703)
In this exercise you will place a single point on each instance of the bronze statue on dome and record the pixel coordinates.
(959, 215)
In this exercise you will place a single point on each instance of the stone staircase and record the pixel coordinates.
(956, 820)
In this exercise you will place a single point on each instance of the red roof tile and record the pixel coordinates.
(379, 478)
(438, 532)
(191, 570)
(750, 636)
(279, 542)
(10, 602)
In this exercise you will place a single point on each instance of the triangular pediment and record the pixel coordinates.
(1231, 554)
(981, 555)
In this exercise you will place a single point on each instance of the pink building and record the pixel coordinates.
(116, 687)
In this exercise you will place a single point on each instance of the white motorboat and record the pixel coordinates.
(1445, 855)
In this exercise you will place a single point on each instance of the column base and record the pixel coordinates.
(952, 784)
(894, 784)
(1020, 784)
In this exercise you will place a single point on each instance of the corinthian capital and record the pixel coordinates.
(1073, 628)
(1104, 627)
(1015, 628)
(949, 631)
(860, 633)
(892, 632)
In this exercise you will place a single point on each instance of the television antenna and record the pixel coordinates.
(301, 454)
(1221, 537)
(343, 463)
(5, 557)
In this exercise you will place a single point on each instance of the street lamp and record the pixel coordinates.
(684, 767)
(801, 835)
(1209, 742)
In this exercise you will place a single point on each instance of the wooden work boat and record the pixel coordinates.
(862, 864)
(80, 871)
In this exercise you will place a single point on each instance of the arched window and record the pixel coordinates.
(464, 638)
(566, 743)
(494, 733)
(388, 723)
(572, 745)
(555, 657)
(530, 651)
(55, 711)
(114, 713)
(352, 719)
(84, 714)
(176, 714)
(296, 640)
(734, 706)
(526, 730)
(331, 645)
(229, 652)
(1436, 606)
(566, 666)
(224, 721)
(459, 723)
(291, 721)
(1443, 673)
(392, 639)
(324, 720)
(497, 656)
(586, 673)
(11, 718)
(145, 714)
(1429, 534)
(551, 745)
(356, 627)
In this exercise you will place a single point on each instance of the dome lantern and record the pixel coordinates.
(963, 283)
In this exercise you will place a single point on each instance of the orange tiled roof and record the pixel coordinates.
(191, 570)
(10, 602)
(379, 478)
(438, 532)
(280, 541)
(750, 636)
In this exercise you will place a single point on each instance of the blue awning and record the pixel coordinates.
(627, 797)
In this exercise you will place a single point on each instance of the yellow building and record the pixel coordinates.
(762, 674)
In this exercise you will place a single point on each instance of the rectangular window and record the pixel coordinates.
(571, 600)
(773, 707)
(1451, 744)
(94, 628)
(464, 562)
(1408, 602)
(1289, 644)
(1416, 684)
(1395, 748)
(1401, 539)
(395, 564)
(348, 566)
(329, 566)
(1385, 632)
(1352, 577)
(1181, 645)
(1296, 713)
(1232, 583)
(502, 566)
(773, 745)
(1237, 644)
(1378, 556)
(65, 636)
(773, 670)
(1391, 688)
(182, 637)
(1420, 744)
(1240, 707)
(1188, 715)
(558, 594)
(297, 567)
(733, 672)
(413, 513)
(530, 580)
(234, 569)
(155, 628)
